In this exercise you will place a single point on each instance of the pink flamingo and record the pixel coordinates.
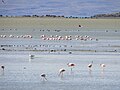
(61, 71)
(102, 66)
(71, 65)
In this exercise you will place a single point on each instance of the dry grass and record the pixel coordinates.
(60, 23)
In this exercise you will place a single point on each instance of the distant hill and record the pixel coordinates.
(112, 15)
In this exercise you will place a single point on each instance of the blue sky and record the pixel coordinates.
(59, 7)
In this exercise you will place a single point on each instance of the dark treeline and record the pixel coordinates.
(113, 15)
(52, 16)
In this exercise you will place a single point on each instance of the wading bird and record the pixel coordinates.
(71, 65)
(3, 67)
(31, 56)
(61, 71)
(43, 76)
(90, 65)
(102, 66)
(3, 1)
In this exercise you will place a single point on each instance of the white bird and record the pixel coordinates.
(43, 76)
(90, 65)
(102, 66)
(61, 71)
(71, 65)
(31, 56)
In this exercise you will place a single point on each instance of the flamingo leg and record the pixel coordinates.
(59, 74)
(45, 78)
(62, 75)
(103, 69)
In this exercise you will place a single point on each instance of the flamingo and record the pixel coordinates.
(43, 75)
(11, 36)
(3, 1)
(71, 65)
(90, 65)
(80, 26)
(102, 66)
(3, 67)
(31, 56)
(61, 71)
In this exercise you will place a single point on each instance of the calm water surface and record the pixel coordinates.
(22, 74)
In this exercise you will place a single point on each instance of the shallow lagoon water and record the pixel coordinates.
(16, 77)
(21, 73)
